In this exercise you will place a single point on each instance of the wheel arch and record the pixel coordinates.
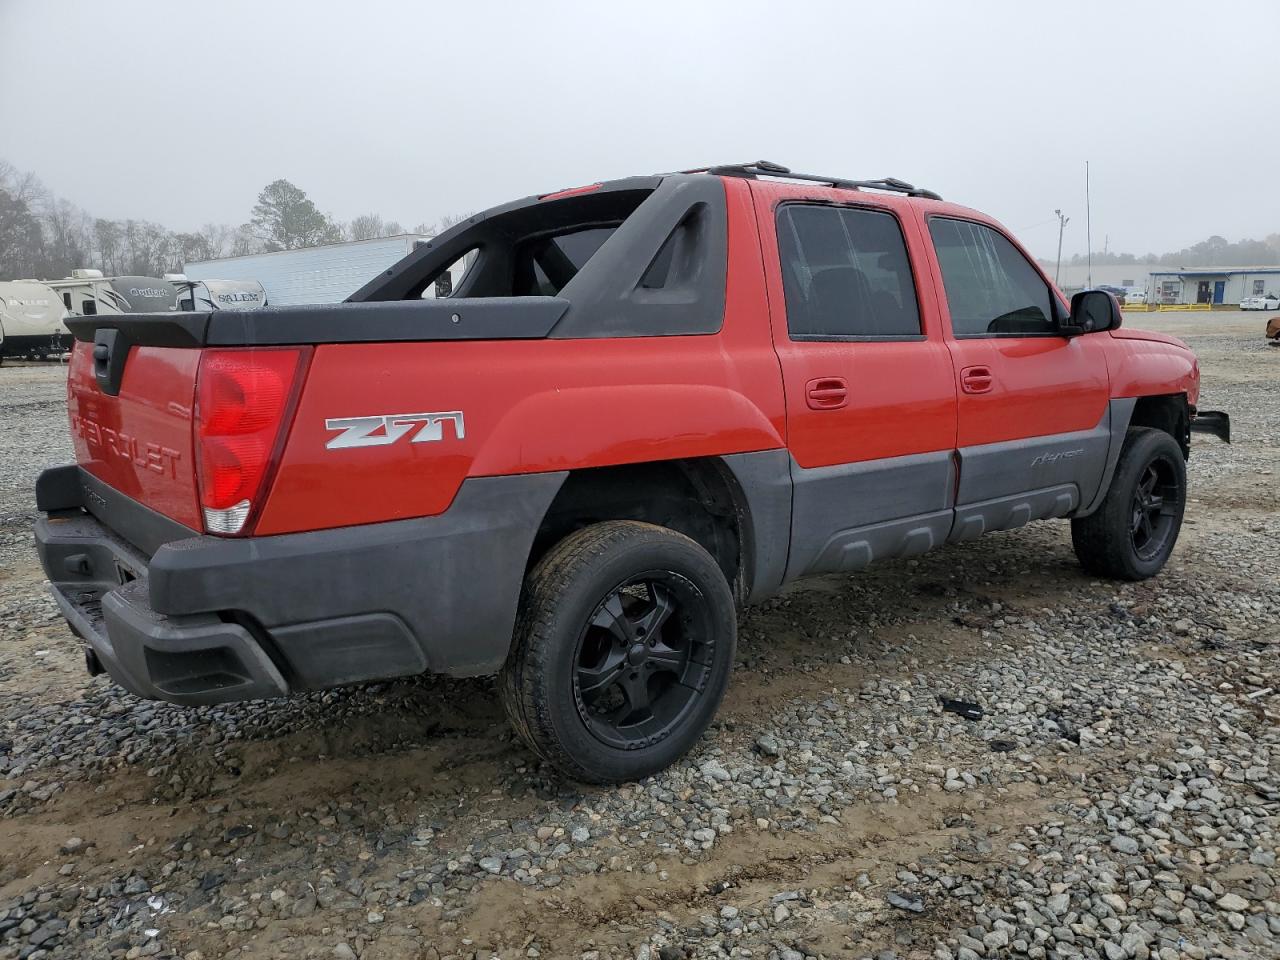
(737, 507)
(1169, 412)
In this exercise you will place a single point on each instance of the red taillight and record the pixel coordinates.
(242, 400)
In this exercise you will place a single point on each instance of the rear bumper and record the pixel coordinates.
(210, 620)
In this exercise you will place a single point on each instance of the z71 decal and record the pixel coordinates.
(378, 431)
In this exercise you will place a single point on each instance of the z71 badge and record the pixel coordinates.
(378, 431)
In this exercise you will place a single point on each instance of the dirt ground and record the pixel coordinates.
(356, 823)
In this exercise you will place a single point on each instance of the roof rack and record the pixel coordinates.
(766, 168)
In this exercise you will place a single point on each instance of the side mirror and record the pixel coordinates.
(1092, 311)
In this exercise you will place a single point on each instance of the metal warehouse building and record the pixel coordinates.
(1213, 284)
(326, 274)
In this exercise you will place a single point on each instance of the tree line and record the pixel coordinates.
(44, 236)
(1214, 252)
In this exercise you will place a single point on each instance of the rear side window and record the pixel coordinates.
(991, 288)
(846, 274)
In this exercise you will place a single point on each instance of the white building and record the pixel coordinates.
(1225, 285)
(1075, 276)
(326, 274)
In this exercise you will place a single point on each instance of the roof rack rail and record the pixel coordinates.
(766, 168)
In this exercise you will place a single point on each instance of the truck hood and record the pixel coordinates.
(1127, 333)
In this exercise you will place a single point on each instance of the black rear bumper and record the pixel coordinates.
(198, 619)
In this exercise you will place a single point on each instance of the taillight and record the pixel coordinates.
(243, 398)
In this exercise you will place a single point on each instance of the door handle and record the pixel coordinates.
(976, 380)
(827, 393)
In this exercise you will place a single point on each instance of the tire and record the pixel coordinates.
(1150, 482)
(610, 619)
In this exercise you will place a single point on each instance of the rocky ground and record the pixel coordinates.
(1114, 793)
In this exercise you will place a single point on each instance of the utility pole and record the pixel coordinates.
(1062, 225)
(1088, 230)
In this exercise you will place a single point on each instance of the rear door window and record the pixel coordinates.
(846, 274)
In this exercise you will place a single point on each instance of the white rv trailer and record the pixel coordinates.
(217, 294)
(87, 293)
(31, 321)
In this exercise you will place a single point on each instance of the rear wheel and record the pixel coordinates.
(1133, 532)
(622, 651)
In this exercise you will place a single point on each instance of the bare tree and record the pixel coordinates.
(245, 242)
(217, 238)
(440, 226)
(108, 237)
(365, 227)
(68, 234)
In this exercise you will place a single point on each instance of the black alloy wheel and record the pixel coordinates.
(622, 651)
(1155, 508)
(643, 660)
(1131, 533)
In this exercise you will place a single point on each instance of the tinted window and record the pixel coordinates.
(991, 288)
(845, 273)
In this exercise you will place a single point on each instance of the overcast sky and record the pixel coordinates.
(180, 112)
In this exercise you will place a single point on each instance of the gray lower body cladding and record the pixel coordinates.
(207, 620)
(847, 516)
(850, 515)
(1005, 485)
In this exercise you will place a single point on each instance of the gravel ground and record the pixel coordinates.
(1113, 796)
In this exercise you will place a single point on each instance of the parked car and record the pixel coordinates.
(1267, 301)
(644, 402)
(1135, 296)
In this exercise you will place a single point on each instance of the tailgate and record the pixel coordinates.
(139, 441)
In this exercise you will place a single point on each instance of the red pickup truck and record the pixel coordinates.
(561, 441)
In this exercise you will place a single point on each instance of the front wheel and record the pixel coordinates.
(1133, 533)
(622, 651)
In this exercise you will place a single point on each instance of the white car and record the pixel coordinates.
(1268, 302)
(1135, 296)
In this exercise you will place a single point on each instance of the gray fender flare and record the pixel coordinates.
(1120, 412)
